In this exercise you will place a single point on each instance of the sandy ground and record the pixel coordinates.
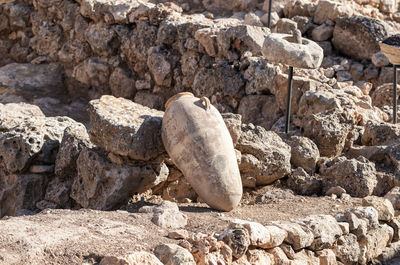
(85, 236)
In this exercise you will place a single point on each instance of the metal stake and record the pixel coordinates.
(289, 99)
(269, 14)
(394, 93)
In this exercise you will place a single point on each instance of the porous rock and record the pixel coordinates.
(125, 128)
(356, 176)
(265, 156)
(171, 254)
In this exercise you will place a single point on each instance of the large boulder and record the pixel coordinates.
(265, 156)
(103, 184)
(126, 128)
(304, 152)
(358, 36)
(356, 176)
(327, 9)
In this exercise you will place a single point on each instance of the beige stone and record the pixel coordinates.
(135, 258)
(383, 206)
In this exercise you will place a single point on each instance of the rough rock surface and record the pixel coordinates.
(103, 184)
(265, 157)
(173, 255)
(304, 153)
(126, 128)
(358, 36)
(356, 176)
(166, 215)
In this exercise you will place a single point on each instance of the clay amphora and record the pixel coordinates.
(198, 142)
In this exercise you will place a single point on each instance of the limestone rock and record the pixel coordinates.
(135, 258)
(394, 197)
(304, 184)
(356, 176)
(329, 130)
(18, 110)
(304, 153)
(327, 9)
(280, 48)
(325, 229)
(327, 257)
(237, 239)
(395, 224)
(102, 184)
(297, 235)
(166, 215)
(383, 206)
(376, 241)
(75, 138)
(259, 257)
(383, 95)
(171, 254)
(125, 128)
(347, 249)
(29, 80)
(234, 123)
(261, 110)
(322, 33)
(29, 140)
(207, 249)
(20, 192)
(285, 25)
(379, 59)
(179, 190)
(242, 38)
(121, 84)
(260, 75)
(265, 156)
(262, 236)
(358, 36)
(380, 133)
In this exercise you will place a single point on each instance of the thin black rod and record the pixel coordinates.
(289, 99)
(394, 93)
(269, 14)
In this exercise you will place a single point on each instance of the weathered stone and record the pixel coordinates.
(262, 236)
(125, 128)
(26, 141)
(356, 176)
(297, 235)
(100, 37)
(305, 256)
(275, 194)
(285, 25)
(358, 36)
(325, 229)
(265, 156)
(347, 249)
(259, 75)
(93, 73)
(261, 110)
(119, 10)
(394, 197)
(75, 138)
(166, 215)
(259, 257)
(331, 10)
(19, 110)
(337, 190)
(237, 239)
(329, 130)
(159, 66)
(121, 84)
(376, 241)
(241, 38)
(104, 185)
(380, 133)
(252, 19)
(19, 192)
(221, 78)
(234, 124)
(383, 95)
(327, 257)
(383, 206)
(304, 153)
(138, 257)
(171, 254)
(281, 48)
(179, 190)
(304, 184)
(28, 80)
(379, 59)
(322, 33)
(295, 8)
